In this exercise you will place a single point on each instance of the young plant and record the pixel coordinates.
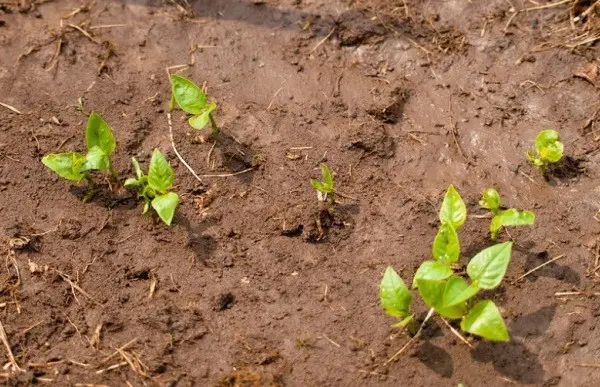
(192, 100)
(490, 199)
(325, 188)
(548, 148)
(447, 292)
(75, 166)
(154, 187)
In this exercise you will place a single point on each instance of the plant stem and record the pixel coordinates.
(215, 128)
(91, 191)
(114, 173)
(172, 102)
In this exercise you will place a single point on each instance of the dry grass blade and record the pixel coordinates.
(74, 286)
(323, 40)
(415, 337)
(11, 357)
(10, 108)
(540, 266)
(123, 347)
(457, 334)
(175, 148)
(231, 174)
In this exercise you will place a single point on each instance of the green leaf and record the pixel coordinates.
(485, 320)
(553, 152)
(160, 173)
(457, 290)
(98, 134)
(431, 270)
(510, 217)
(432, 293)
(394, 295)
(318, 185)
(136, 167)
(131, 183)
(201, 120)
(489, 266)
(66, 165)
(545, 138)
(453, 209)
(165, 206)
(548, 146)
(490, 199)
(190, 98)
(96, 159)
(146, 209)
(327, 177)
(446, 246)
(407, 320)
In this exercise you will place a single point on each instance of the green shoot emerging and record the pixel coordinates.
(324, 188)
(154, 187)
(511, 217)
(443, 288)
(548, 149)
(192, 100)
(75, 166)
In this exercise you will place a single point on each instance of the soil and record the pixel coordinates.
(254, 284)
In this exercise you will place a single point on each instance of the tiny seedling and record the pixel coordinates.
(445, 291)
(75, 166)
(192, 100)
(490, 199)
(325, 188)
(548, 148)
(154, 187)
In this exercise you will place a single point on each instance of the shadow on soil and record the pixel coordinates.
(513, 359)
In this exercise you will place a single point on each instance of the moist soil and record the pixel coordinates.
(255, 284)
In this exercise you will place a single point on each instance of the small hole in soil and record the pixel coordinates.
(225, 301)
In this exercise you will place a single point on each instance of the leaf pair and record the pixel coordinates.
(453, 214)
(154, 187)
(74, 166)
(502, 218)
(548, 149)
(325, 187)
(192, 100)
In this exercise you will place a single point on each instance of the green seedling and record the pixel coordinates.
(75, 166)
(324, 188)
(548, 148)
(154, 187)
(443, 289)
(490, 199)
(192, 100)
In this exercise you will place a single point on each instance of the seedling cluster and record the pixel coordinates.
(490, 200)
(325, 188)
(441, 286)
(548, 149)
(75, 166)
(153, 189)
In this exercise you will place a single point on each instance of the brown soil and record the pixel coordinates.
(400, 98)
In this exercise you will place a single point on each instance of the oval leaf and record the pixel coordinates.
(489, 266)
(99, 134)
(165, 206)
(553, 152)
(136, 167)
(490, 199)
(453, 209)
(431, 270)
(190, 98)
(201, 120)
(432, 293)
(544, 138)
(96, 159)
(160, 173)
(394, 295)
(66, 165)
(327, 177)
(457, 290)
(510, 217)
(446, 246)
(485, 320)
